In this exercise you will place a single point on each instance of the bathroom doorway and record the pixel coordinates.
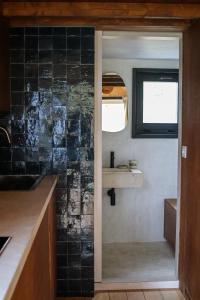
(137, 230)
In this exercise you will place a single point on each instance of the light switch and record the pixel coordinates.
(184, 151)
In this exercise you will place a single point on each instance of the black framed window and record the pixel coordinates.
(155, 103)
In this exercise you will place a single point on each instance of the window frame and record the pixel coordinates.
(151, 130)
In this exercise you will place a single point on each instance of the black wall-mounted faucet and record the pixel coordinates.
(111, 192)
(112, 159)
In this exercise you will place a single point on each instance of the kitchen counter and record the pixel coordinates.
(21, 213)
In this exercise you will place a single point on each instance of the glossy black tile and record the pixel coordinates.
(74, 56)
(6, 168)
(73, 74)
(5, 154)
(18, 154)
(45, 56)
(73, 43)
(31, 30)
(59, 99)
(32, 154)
(61, 248)
(45, 84)
(18, 140)
(17, 84)
(87, 57)
(16, 31)
(87, 43)
(62, 272)
(59, 71)
(87, 31)
(32, 168)
(19, 167)
(45, 42)
(59, 57)
(45, 30)
(17, 42)
(31, 42)
(17, 112)
(17, 56)
(74, 248)
(31, 70)
(17, 70)
(45, 70)
(17, 98)
(31, 56)
(31, 99)
(31, 84)
(17, 126)
(59, 30)
(59, 42)
(73, 31)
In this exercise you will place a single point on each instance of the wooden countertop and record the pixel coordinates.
(21, 213)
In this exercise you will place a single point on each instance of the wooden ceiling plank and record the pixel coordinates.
(104, 10)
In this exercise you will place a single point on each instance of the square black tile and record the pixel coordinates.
(31, 42)
(45, 56)
(73, 56)
(19, 167)
(45, 70)
(59, 57)
(87, 43)
(31, 30)
(17, 98)
(45, 30)
(59, 30)
(16, 31)
(17, 42)
(17, 84)
(31, 56)
(87, 57)
(31, 70)
(17, 56)
(5, 154)
(45, 42)
(32, 168)
(18, 154)
(73, 43)
(59, 42)
(73, 31)
(59, 71)
(17, 70)
(31, 84)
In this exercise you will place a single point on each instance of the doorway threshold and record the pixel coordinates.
(126, 286)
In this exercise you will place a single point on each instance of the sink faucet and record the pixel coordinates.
(112, 159)
(7, 135)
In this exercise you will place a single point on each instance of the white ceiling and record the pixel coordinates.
(140, 45)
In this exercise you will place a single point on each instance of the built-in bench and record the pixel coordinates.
(170, 209)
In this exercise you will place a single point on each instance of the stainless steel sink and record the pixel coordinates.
(4, 240)
(19, 182)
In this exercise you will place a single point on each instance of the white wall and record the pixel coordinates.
(138, 214)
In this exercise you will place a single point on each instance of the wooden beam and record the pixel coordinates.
(104, 23)
(101, 10)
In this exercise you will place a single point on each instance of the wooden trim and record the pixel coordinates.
(128, 286)
(98, 159)
(104, 23)
(103, 10)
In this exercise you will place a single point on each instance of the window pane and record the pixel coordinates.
(113, 116)
(160, 102)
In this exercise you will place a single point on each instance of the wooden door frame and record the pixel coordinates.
(150, 17)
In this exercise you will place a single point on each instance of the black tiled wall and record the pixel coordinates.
(51, 127)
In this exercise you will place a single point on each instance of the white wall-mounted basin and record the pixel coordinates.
(121, 178)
